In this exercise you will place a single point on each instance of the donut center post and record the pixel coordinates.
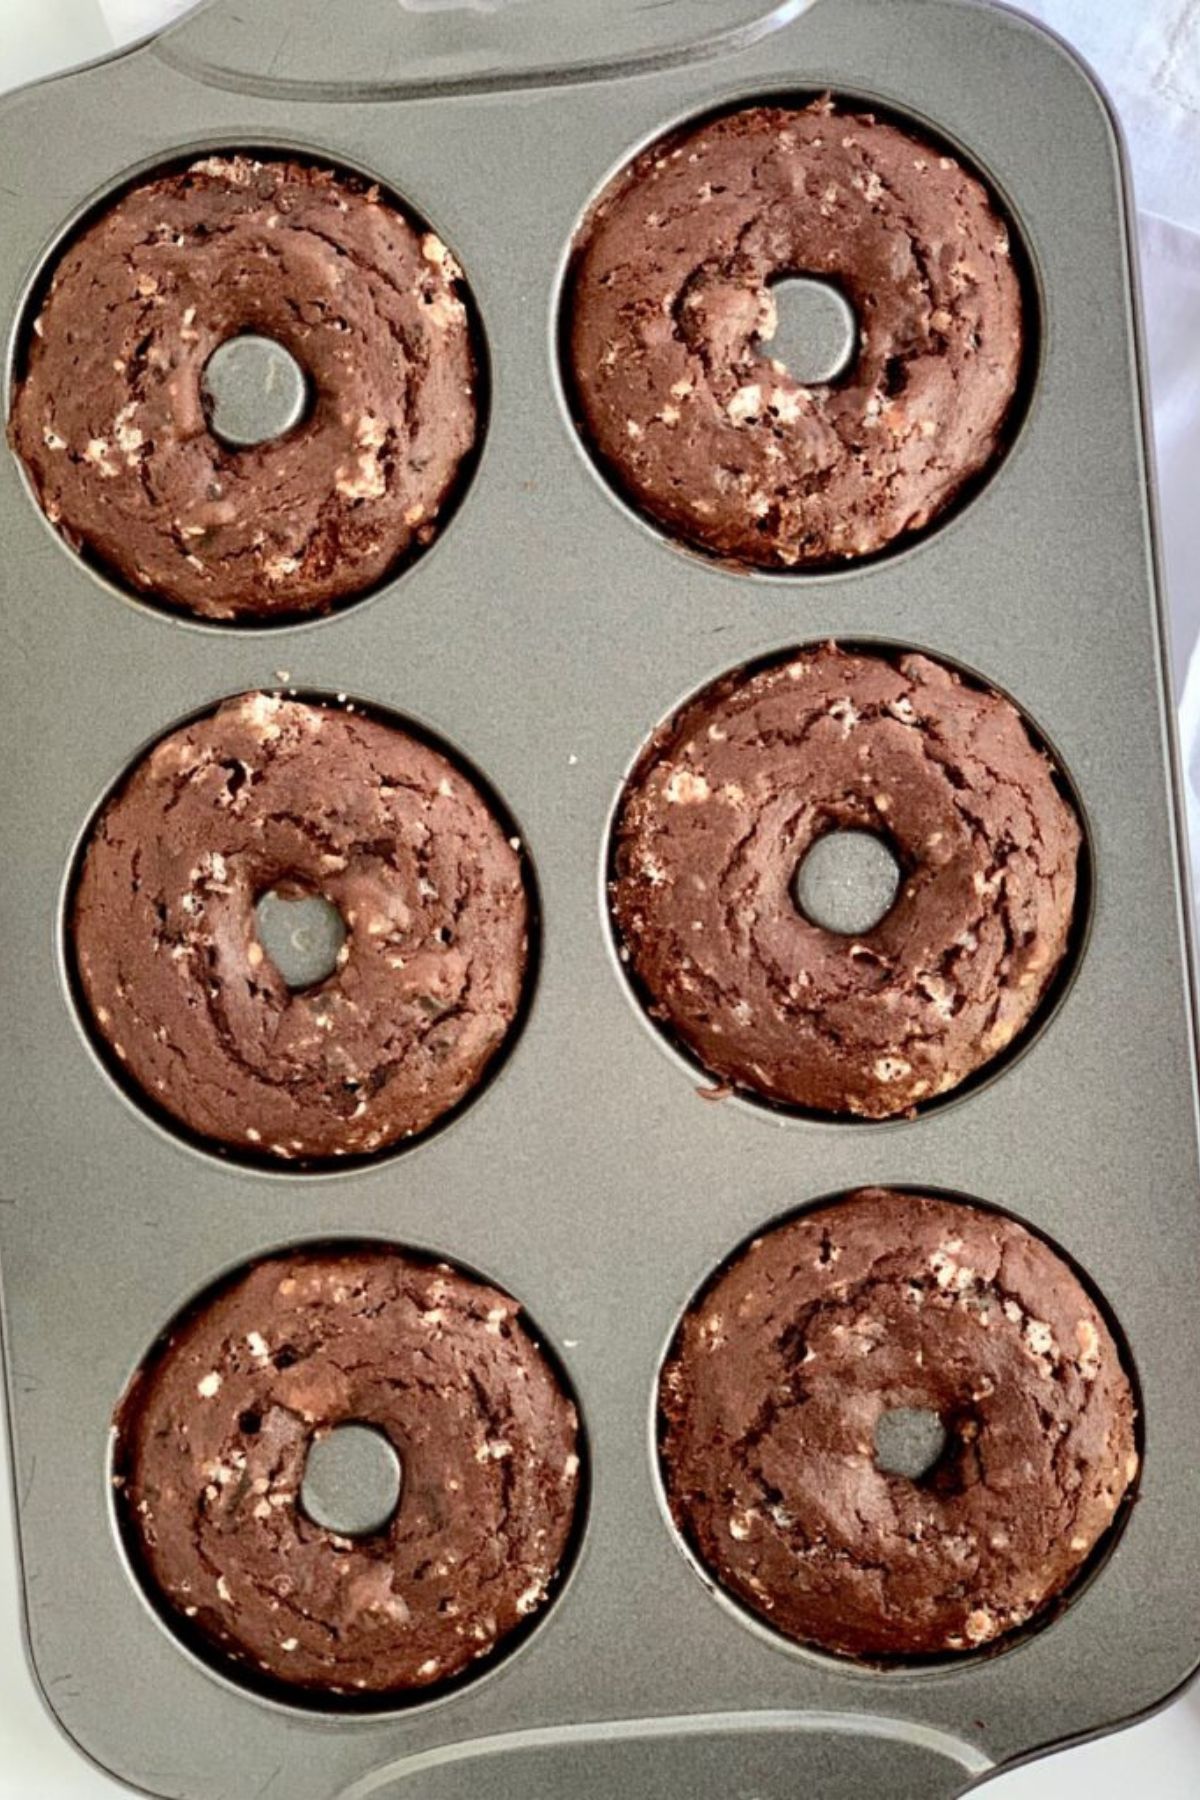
(302, 934)
(352, 1481)
(846, 882)
(253, 390)
(910, 1441)
(816, 331)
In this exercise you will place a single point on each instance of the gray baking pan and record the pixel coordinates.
(544, 636)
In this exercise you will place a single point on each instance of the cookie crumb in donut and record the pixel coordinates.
(745, 404)
(686, 789)
(1088, 1340)
(236, 170)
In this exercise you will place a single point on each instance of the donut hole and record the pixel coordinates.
(847, 881)
(253, 391)
(352, 1481)
(301, 932)
(911, 1442)
(815, 334)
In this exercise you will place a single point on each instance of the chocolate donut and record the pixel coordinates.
(272, 795)
(109, 417)
(211, 1445)
(723, 807)
(884, 1303)
(671, 311)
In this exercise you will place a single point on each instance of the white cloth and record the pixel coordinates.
(130, 19)
(1147, 52)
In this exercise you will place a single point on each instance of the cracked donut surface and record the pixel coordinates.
(272, 795)
(720, 811)
(781, 1373)
(210, 1450)
(109, 417)
(672, 315)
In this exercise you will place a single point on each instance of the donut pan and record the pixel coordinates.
(544, 636)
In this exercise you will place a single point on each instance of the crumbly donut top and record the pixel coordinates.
(109, 418)
(213, 1437)
(720, 810)
(269, 794)
(888, 1301)
(672, 312)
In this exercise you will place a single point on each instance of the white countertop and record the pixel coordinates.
(1160, 39)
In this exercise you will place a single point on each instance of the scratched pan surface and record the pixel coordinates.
(544, 636)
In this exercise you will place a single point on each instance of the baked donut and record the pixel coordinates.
(109, 416)
(671, 311)
(211, 1446)
(271, 795)
(884, 1303)
(723, 807)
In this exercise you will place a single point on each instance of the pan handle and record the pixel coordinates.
(781, 1755)
(312, 50)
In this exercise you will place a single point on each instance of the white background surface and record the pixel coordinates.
(1149, 53)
